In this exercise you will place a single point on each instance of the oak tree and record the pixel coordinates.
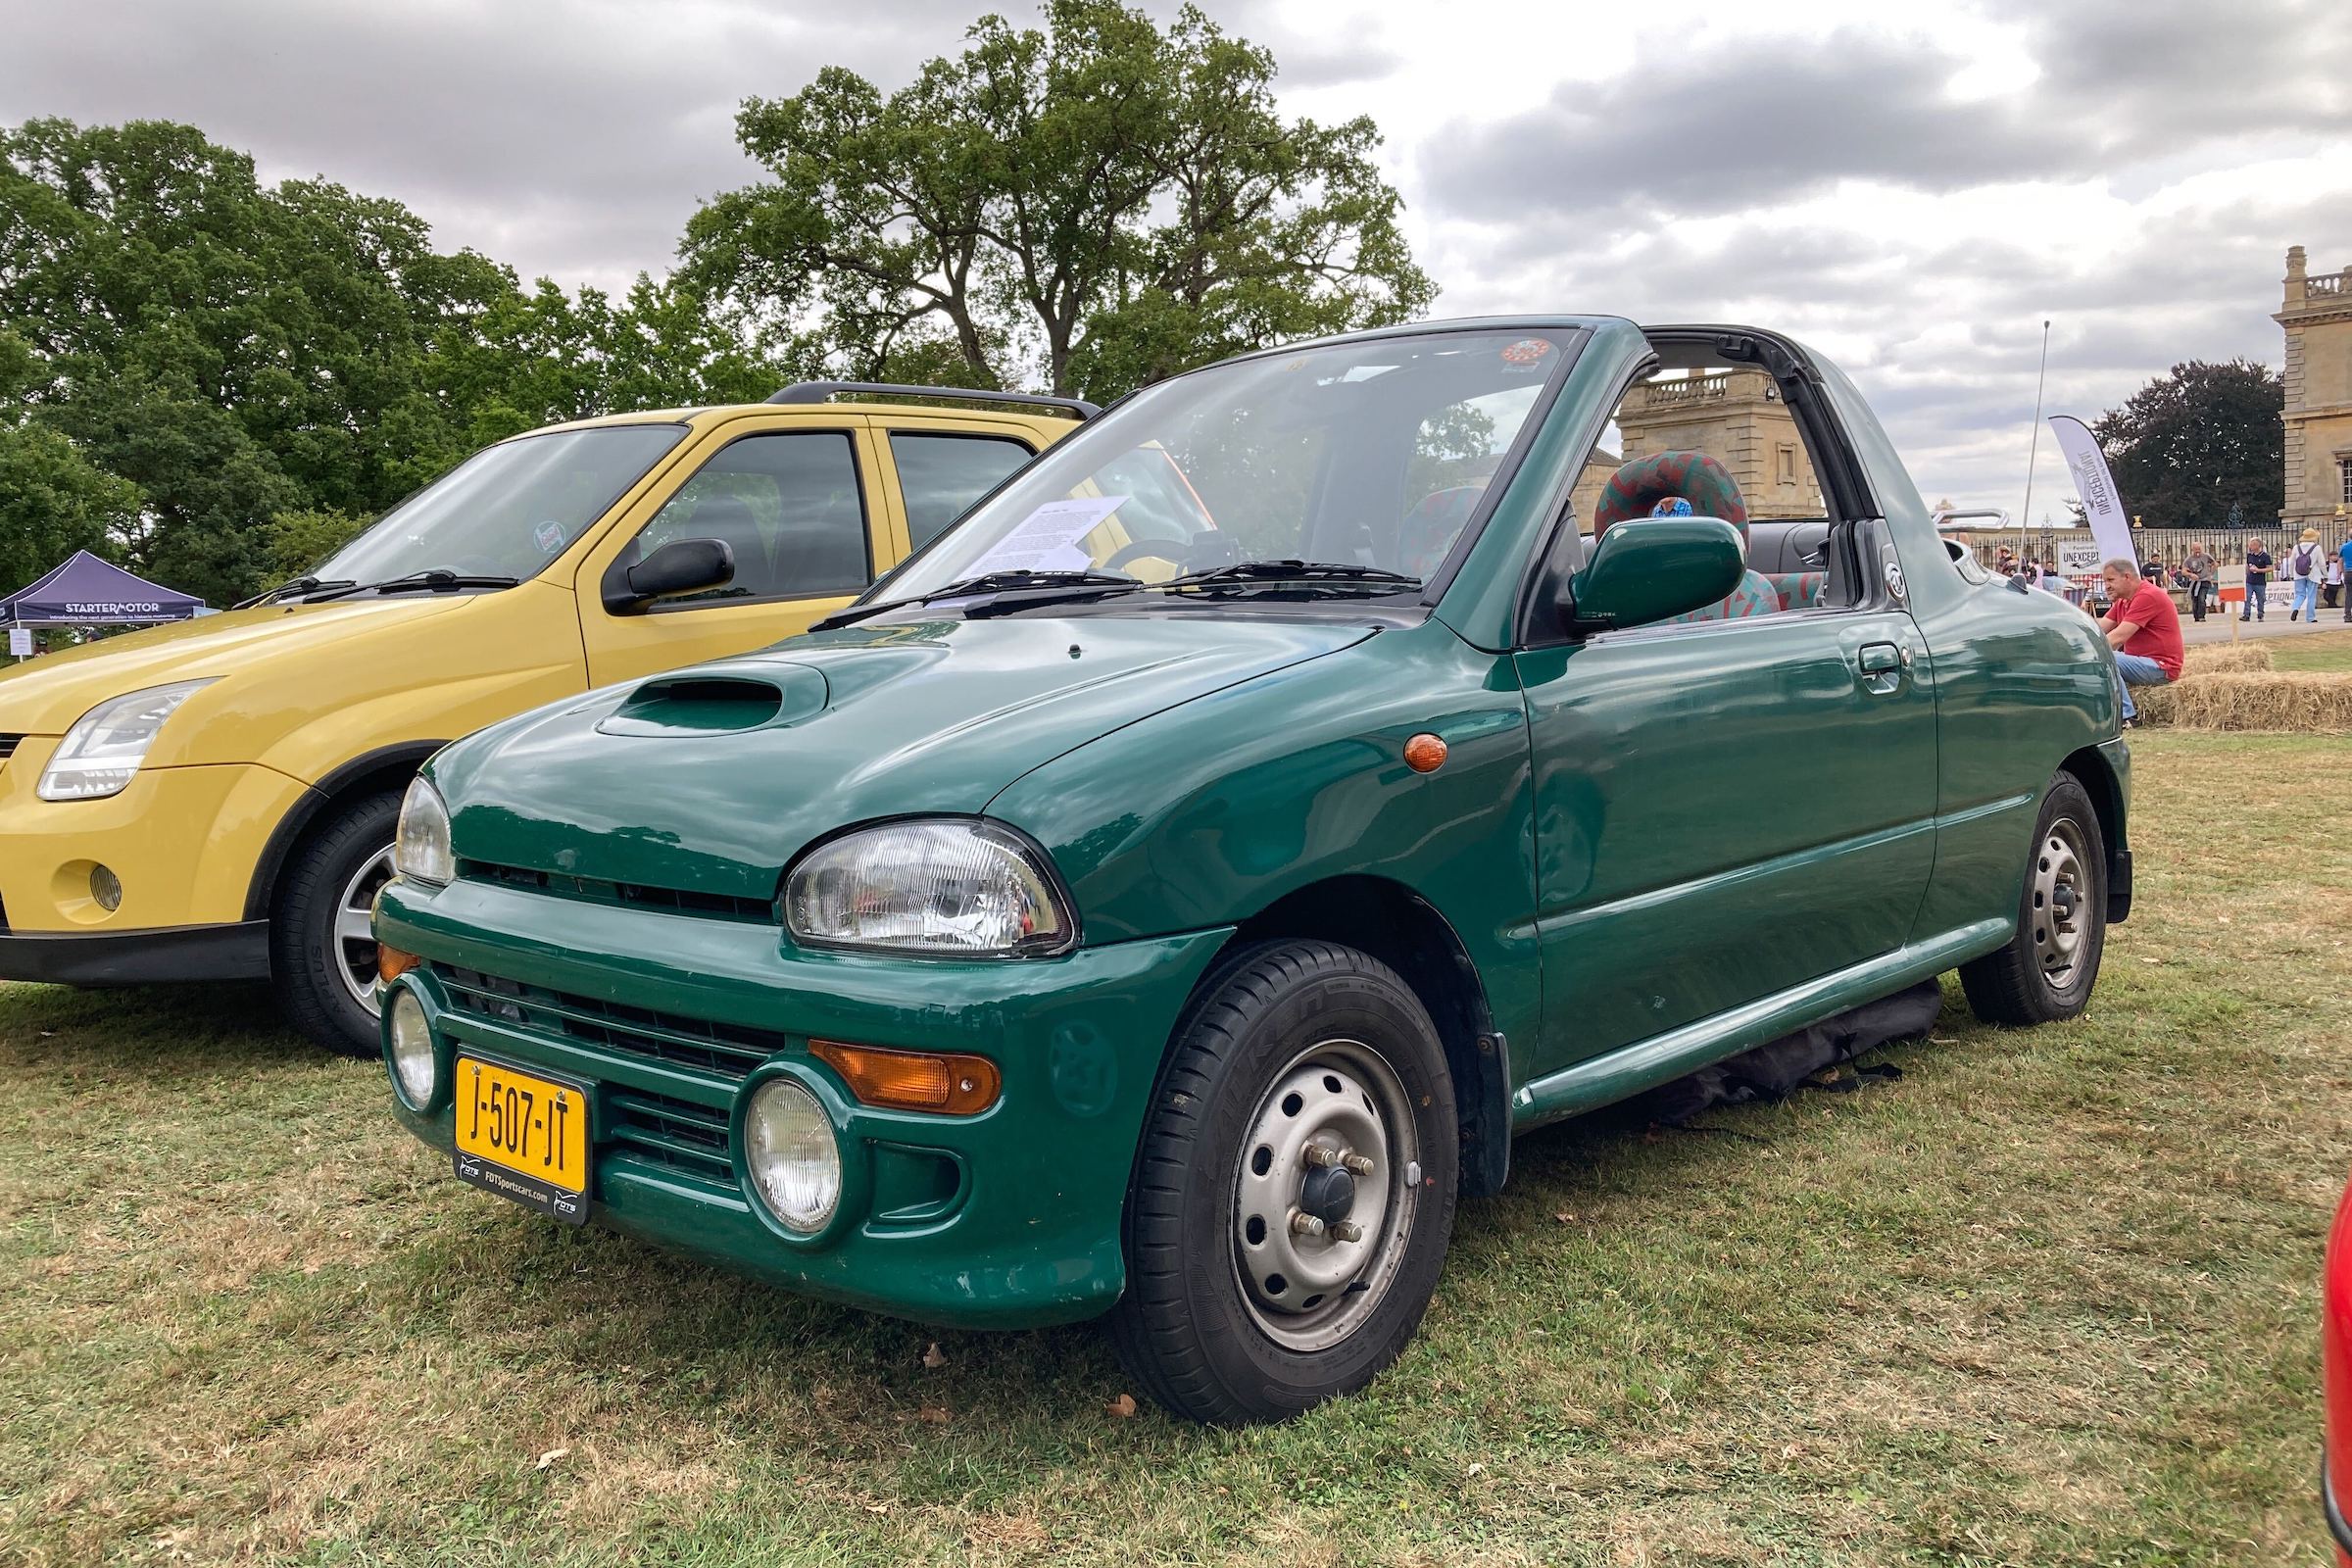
(1098, 203)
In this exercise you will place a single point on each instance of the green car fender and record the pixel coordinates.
(1283, 806)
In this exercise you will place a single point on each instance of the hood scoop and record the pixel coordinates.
(716, 702)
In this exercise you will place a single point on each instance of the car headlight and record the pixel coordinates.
(792, 1155)
(420, 848)
(104, 748)
(412, 1049)
(943, 886)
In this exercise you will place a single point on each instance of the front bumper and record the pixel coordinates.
(182, 842)
(233, 951)
(1009, 1218)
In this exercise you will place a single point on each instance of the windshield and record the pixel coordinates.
(1371, 455)
(508, 510)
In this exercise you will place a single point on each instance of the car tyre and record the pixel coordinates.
(1234, 1311)
(318, 957)
(2048, 968)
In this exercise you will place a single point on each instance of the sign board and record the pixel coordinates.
(20, 642)
(2078, 557)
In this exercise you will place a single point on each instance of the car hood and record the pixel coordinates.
(710, 779)
(44, 695)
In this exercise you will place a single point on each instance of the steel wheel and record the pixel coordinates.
(2060, 886)
(2046, 969)
(1323, 1196)
(354, 935)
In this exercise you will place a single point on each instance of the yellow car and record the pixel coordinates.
(215, 800)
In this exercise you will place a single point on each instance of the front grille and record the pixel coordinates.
(8, 746)
(626, 895)
(688, 1137)
(670, 1132)
(726, 1048)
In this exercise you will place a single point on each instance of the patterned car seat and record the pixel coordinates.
(1798, 590)
(1644, 486)
(1430, 529)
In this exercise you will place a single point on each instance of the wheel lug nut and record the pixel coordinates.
(1305, 1225)
(1318, 1156)
(1358, 1164)
(1346, 1230)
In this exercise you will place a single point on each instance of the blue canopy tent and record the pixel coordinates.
(88, 592)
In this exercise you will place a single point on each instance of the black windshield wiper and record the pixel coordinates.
(436, 580)
(299, 585)
(988, 582)
(1243, 572)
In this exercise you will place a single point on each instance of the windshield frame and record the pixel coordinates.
(1571, 334)
(589, 528)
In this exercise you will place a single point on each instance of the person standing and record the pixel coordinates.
(2144, 630)
(2343, 562)
(2200, 571)
(2331, 592)
(2303, 573)
(2257, 579)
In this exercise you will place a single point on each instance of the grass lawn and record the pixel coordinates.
(2049, 1299)
(2328, 649)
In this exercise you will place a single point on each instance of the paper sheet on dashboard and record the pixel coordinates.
(1048, 538)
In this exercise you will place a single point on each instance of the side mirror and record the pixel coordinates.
(1649, 569)
(680, 566)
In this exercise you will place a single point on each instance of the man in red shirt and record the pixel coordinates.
(2144, 630)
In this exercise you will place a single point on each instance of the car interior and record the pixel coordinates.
(1694, 437)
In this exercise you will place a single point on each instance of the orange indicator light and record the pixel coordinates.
(912, 1080)
(391, 964)
(1425, 752)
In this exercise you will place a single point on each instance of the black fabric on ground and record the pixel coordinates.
(1777, 1069)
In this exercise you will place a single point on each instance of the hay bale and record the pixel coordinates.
(2226, 659)
(2288, 701)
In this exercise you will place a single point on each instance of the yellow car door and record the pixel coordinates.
(799, 500)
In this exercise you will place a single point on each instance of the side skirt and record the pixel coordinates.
(1661, 1059)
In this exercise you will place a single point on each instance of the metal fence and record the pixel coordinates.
(2171, 546)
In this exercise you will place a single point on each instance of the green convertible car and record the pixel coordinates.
(1164, 896)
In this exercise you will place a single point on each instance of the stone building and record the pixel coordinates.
(2317, 317)
(1737, 417)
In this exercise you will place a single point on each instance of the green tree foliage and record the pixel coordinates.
(2199, 442)
(53, 500)
(296, 541)
(239, 353)
(1103, 203)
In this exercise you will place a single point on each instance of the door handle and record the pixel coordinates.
(1881, 665)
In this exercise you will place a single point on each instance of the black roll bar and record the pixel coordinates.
(819, 391)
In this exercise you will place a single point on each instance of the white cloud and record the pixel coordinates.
(1914, 195)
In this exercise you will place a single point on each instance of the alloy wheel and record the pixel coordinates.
(353, 939)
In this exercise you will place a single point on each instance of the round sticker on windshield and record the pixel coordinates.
(1526, 352)
(549, 536)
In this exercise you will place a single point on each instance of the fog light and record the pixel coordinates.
(793, 1161)
(412, 1049)
(106, 888)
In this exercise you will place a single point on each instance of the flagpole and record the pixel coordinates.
(2025, 517)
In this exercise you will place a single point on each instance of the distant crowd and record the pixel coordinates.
(2314, 574)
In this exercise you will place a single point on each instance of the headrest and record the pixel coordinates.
(1637, 489)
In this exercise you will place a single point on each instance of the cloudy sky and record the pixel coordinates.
(1913, 198)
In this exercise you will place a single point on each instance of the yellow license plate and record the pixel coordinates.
(522, 1125)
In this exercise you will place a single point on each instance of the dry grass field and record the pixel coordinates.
(2049, 1299)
